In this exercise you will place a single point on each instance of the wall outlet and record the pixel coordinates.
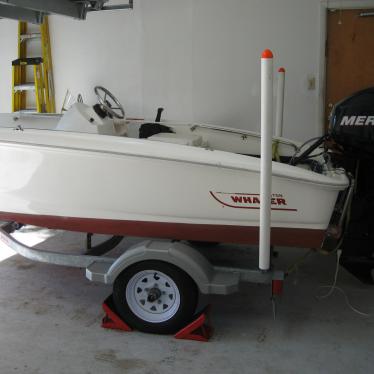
(311, 82)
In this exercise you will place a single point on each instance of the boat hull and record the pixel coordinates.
(120, 186)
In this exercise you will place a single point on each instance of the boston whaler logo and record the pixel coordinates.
(250, 201)
(357, 121)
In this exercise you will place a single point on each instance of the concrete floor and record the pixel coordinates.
(50, 323)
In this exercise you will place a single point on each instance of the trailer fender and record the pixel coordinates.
(178, 254)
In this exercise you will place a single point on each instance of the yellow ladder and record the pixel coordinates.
(41, 84)
(20, 87)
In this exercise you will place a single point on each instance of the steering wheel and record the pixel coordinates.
(109, 103)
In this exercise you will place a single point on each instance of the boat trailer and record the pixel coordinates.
(101, 268)
(210, 279)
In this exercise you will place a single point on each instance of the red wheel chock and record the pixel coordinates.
(199, 329)
(111, 319)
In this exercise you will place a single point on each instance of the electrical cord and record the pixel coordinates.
(307, 142)
(334, 287)
(298, 150)
(314, 156)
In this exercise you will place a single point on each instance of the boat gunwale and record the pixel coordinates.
(331, 182)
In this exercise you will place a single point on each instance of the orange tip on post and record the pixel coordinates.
(281, 70)
(267, 54)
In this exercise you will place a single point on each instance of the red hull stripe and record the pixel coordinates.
(180, 231)
(236, 193)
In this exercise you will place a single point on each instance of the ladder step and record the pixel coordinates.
(27, 61)
(25, 87)
(35, 35)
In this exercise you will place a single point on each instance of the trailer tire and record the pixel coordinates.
(155, 297)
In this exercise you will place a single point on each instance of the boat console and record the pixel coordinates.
(83, 118)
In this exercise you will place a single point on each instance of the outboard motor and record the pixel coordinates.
(352, 128)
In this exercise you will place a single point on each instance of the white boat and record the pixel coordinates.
(91, 173)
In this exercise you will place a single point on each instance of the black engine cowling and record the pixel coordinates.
(352, 122)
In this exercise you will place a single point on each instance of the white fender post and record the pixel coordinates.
(266, 158)
(280, 103)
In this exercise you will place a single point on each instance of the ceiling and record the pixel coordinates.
(34, 10)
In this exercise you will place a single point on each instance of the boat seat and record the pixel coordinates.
(185, 139)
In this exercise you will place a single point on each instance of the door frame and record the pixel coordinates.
(325, 5)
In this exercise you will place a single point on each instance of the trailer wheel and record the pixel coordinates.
(155, 297)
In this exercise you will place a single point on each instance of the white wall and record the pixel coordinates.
(197, 58)
(201, 59)
(104, 50)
